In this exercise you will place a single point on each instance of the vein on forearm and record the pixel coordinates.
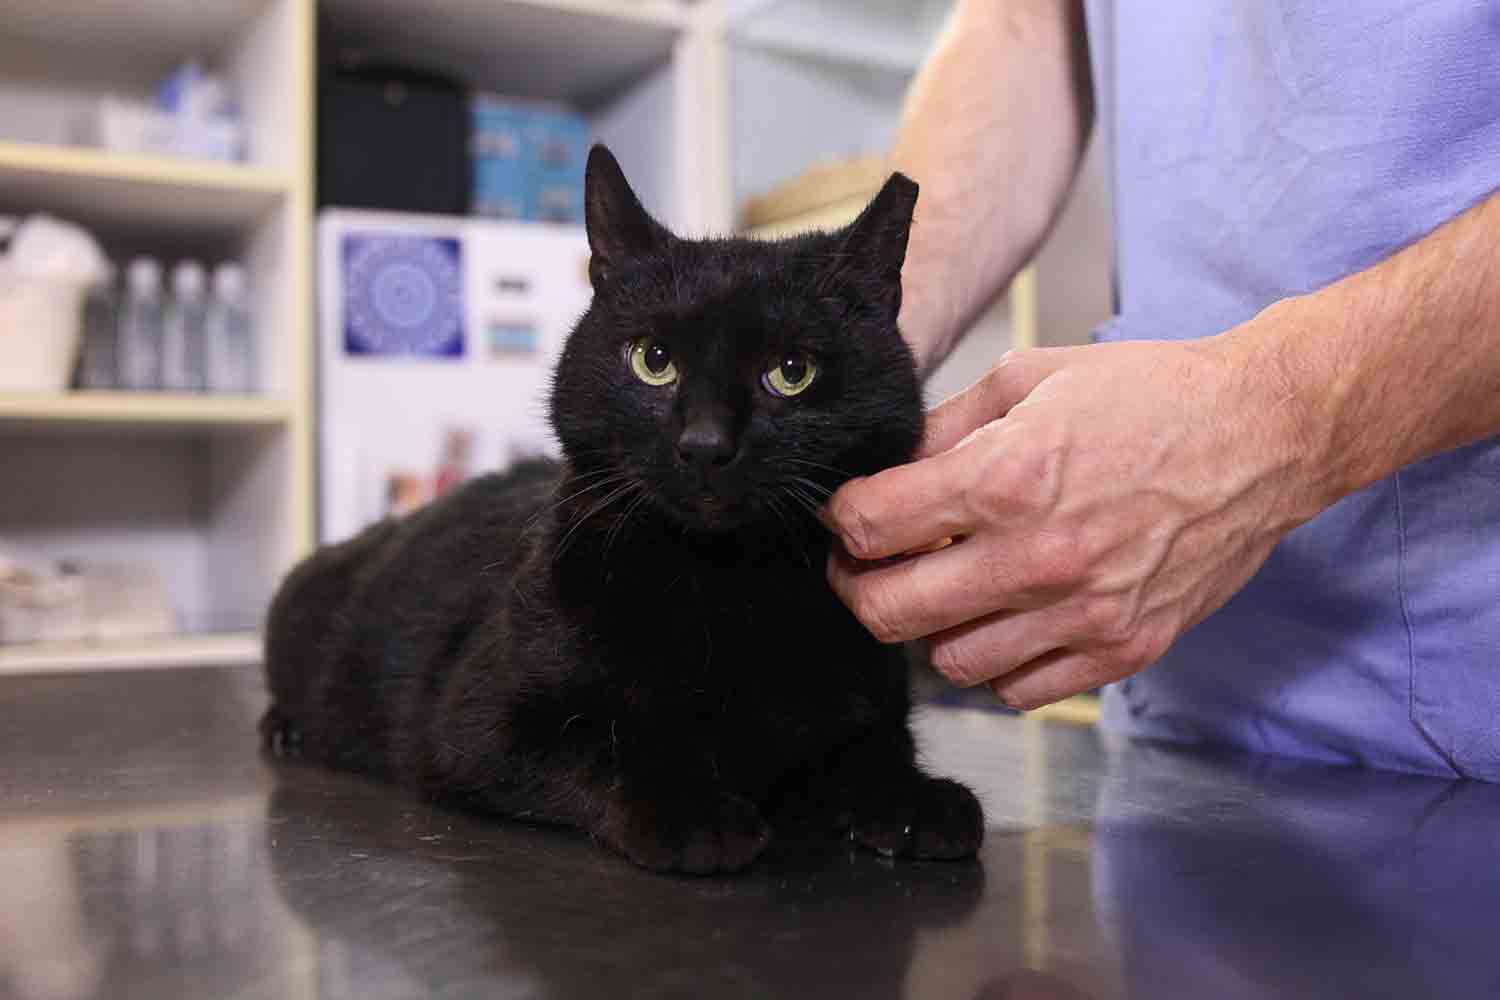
(1401, 361)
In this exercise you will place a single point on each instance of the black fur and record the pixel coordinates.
(630, 642)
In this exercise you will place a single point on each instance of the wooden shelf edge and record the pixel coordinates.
(143, 408)
(227, 649)
(658, 13)
(892, 59)
(85, 162)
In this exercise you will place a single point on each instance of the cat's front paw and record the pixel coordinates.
(922, 818)
(279, 734)
(685, 832)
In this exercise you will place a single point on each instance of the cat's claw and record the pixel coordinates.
(279, 734)
(695, 834)
(929, 818)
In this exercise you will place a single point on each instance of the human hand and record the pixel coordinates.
(1102, 499)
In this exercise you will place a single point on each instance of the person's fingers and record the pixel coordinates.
(1057, 675)
(902, 509)
(990, 398)
(990, 647)
(918, 596)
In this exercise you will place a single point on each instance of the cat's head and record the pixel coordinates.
(732, 381)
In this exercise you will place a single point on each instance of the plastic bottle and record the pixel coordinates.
(183, 368)
(230, 339)
(98, 363)
(140, 335)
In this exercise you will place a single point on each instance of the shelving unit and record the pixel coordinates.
(121, 191)
(224, 649)
(648, 74)
(882, 36)
(214, 493)
(107, 411)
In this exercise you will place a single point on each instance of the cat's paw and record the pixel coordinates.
(697, 834)
(279, 734)
(922, 818)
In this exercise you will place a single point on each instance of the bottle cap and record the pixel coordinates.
(144, 276)
(229, 281)
(188, 281)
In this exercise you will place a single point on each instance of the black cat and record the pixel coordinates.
(640, 641)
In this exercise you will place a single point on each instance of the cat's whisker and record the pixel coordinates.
(791, 532)
(809, 463)
(612, 479)
(619, 528)
(593, 511)
(818, 489)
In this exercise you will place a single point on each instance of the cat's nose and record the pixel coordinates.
(706, 443)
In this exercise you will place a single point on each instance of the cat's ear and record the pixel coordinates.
(874, 244)
(619, 228)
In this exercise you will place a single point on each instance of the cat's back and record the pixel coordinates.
(454, 552)
(384, 610)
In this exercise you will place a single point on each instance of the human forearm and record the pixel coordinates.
(1388, 366)
(993, 130)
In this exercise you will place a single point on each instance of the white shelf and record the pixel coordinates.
(101, 188)
(98, 36)
(234, 648)
(169, 411)
(889, 36)
(574, 50)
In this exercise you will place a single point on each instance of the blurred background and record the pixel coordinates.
(272, 269)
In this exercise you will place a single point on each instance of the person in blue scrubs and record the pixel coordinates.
(1265, 507)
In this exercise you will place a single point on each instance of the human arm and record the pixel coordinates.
(1108, 497)
(993, 130)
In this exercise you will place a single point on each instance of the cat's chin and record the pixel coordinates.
(709, 514)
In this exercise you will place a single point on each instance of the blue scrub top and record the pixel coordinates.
(1265, 148)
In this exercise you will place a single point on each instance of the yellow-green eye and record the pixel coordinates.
(790, 374)
(652, 362)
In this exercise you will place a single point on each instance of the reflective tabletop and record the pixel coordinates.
(147, 850)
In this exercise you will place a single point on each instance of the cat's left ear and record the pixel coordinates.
(874, 245)
(619, 228)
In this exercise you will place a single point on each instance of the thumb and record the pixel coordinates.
(990, 398)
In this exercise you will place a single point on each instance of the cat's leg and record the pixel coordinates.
(303, 629)
(681, 822)
(657, 800)
(875, 791)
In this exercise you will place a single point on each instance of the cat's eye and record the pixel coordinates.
(790, 374)
(652, 362)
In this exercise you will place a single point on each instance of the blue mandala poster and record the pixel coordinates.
(403, 296)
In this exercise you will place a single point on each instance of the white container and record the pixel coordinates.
(39, 607)
(41, 319)
(121, 125)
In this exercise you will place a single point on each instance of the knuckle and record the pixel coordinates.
(1137, 651)
(956, 663)
(877, 609)
(1015, 700)
(1055, 561)
(1106, 618)
(853, 526)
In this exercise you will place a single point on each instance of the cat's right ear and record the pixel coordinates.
(620, 230)
(874, 245)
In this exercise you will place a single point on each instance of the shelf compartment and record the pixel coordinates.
(167, 411)
(225, 649)
(582, 51)
(115, 190)
(885, 36)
